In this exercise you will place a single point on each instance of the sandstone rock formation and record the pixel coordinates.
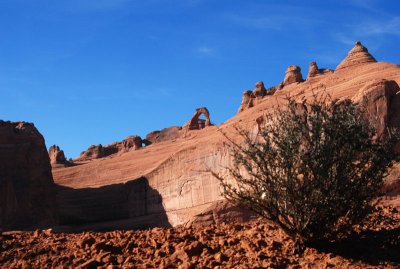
(177, 168)
(57, 156)
(357, 56)
(259, 90)
(251, 98)
(381, 100)
(195, 123)
(293, 75)
(93, 152)
(315, 71)
(165, 134)
(99, 151)
(247, 101)
(26, 183)
(221, 212)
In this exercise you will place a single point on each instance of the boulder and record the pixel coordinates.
(293, 75)
(357, 55)
(26, 183)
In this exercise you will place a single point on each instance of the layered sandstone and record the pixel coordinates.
(179, 169)
(26, 184)
(358, 55)
(292, 75)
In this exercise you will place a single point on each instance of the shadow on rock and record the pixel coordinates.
(130, 205)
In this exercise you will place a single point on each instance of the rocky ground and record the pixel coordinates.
(256, 244)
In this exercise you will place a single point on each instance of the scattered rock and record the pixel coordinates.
(253, 244)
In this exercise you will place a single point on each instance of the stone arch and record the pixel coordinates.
(196, 123)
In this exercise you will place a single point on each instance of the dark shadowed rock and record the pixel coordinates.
(26, 183)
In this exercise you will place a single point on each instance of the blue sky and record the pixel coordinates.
(93, 72)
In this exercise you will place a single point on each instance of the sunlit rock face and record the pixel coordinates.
(358, 55)
(293, 75)
(177, 164)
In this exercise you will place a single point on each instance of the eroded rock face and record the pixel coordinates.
(165, 134)
(251, 98)
(26, 183)
(315, 71)
(221, 212)
(381, 99)
(195, 123)
(176, 169)
(130, 143)
(293, 75)
(259, 89)
(357, 55)
(99, 151)
(57, 155)
(246, 101)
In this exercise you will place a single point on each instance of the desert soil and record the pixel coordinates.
(256, 244)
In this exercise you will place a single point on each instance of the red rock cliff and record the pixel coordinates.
(26, 182)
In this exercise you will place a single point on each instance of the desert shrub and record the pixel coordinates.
(313, 169)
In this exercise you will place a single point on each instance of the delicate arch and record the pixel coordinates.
(195, 123)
